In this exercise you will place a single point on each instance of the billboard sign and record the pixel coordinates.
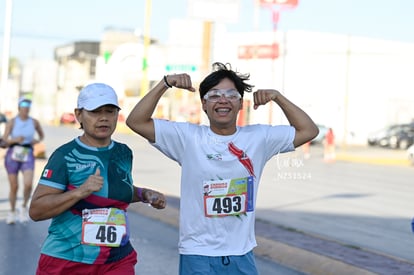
(270, 51)
(285, 3)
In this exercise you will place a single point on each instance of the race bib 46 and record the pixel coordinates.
(103, 226)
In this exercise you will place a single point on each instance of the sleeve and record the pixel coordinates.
(170, 138)
(55, 172)
(279, 139)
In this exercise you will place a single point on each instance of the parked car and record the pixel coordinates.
(68, 118)
(397, 136)
(410, 153)
(379, 137)
(403, 138)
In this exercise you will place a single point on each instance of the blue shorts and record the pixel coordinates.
(13, 167)
(206, 265)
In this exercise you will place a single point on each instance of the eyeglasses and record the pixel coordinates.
(216, 95)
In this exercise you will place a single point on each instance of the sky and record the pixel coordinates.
(39, 26)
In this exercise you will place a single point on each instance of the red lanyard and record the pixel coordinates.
(243, 158)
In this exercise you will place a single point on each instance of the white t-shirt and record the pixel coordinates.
(205, 158)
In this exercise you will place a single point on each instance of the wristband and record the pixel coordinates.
(166, 84)
(139, 192)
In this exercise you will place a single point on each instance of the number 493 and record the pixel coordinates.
(228, 205)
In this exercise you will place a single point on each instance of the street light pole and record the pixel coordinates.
(147, 40)
(6, 48)
(206, 53)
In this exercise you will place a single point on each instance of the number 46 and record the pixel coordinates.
(106, 233)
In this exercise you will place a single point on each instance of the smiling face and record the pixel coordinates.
(223, 113)
(98, 125)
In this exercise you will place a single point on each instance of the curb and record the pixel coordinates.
(371, 160)
(303, 260)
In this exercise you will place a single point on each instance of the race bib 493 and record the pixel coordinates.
(228, 197)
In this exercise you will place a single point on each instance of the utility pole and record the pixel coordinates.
(346, 97)
(280, 5)
(6, 49)
(206, 53)
(147, 42)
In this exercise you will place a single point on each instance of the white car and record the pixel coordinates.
(410, 153)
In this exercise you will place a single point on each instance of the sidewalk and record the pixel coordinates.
(372, 155)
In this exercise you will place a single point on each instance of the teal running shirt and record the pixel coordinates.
(68, 168)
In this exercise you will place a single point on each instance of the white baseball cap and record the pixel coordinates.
(95, 95)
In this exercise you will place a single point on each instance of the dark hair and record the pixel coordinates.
(221, 71)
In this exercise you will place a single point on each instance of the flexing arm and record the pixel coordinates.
(306, 129)
(140, 119)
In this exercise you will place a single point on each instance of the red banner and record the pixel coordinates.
(289, 3)
(259, 51)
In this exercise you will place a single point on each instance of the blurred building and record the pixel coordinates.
(353, 84)
(38, 82)
(76, 63)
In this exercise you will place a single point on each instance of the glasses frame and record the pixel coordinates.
(230, 95)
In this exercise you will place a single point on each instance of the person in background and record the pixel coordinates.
(329, 146)
(20, 137)
(85, 188)
(306, 150)
(217, 227)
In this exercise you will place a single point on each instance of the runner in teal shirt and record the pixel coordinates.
(85, 188)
